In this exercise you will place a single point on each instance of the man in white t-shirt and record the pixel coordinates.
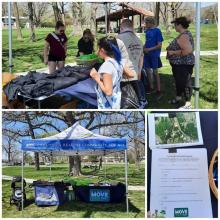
(134, 49)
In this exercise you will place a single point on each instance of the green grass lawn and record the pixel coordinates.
(29, 56)
(208, 41)
(113, 173)
(76, 208)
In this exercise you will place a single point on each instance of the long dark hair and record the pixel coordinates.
(109, 44)
(89, 33)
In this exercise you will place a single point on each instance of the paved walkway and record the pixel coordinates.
(163, 54)
(4, 177)
(131, 188)
(136, 188)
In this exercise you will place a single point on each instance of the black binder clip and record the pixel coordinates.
(172, 150)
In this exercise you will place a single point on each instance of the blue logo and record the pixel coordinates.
(99, 195)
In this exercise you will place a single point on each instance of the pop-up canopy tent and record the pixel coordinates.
(77, 140)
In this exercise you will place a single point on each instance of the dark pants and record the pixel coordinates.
(145, 80)
(182, 75)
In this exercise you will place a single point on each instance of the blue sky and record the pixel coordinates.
(62, 126)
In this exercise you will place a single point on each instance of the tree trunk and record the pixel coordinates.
(74, 161)
(62, 5)
(173, 10)
(18, 26)
(215, 17)
(93, 18)
(31, 130)
(74, 165)
(137, 155)
(63, 18)
(136, 143)
(56, 12)
(168, 21)
(157, 13)
(31, 21)
(100, 163)
(9, 155)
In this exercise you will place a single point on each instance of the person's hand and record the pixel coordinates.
(46, 61)
(170, 53)
(146, 50)
(94, 74)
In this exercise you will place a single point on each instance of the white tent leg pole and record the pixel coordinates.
(126, 180)
(197, 54)
(50, 164)
(106, 18)
(105, 169)
(22, 184)
(9, 38)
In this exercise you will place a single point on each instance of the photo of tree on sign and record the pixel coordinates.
(179, 128)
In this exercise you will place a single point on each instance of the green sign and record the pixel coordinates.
(99, 195)
(181, 212)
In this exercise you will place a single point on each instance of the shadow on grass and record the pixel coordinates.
(208, 60)
(27, 52)
(169, 91)
(37, 50)
(90, 208)
(29, 202)
(207, 91)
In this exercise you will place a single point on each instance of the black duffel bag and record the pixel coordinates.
(129, 99)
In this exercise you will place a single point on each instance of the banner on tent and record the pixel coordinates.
(74, 145)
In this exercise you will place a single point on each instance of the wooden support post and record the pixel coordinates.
(108, 24)
(140, 23)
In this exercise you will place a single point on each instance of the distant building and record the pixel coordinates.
(23, 20)
(126, 11)
(5, 21)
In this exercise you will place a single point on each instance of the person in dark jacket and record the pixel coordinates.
(55, 48)
(86, 43)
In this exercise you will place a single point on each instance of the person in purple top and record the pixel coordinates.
(152, 50)
(55, 48)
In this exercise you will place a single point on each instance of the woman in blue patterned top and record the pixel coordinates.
(109, 75)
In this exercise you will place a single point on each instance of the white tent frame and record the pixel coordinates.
(126, 173)
(197, 46)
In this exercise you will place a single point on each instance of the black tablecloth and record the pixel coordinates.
(116, 193)
(209, 126)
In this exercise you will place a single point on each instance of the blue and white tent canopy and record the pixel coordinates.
(75, 140)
